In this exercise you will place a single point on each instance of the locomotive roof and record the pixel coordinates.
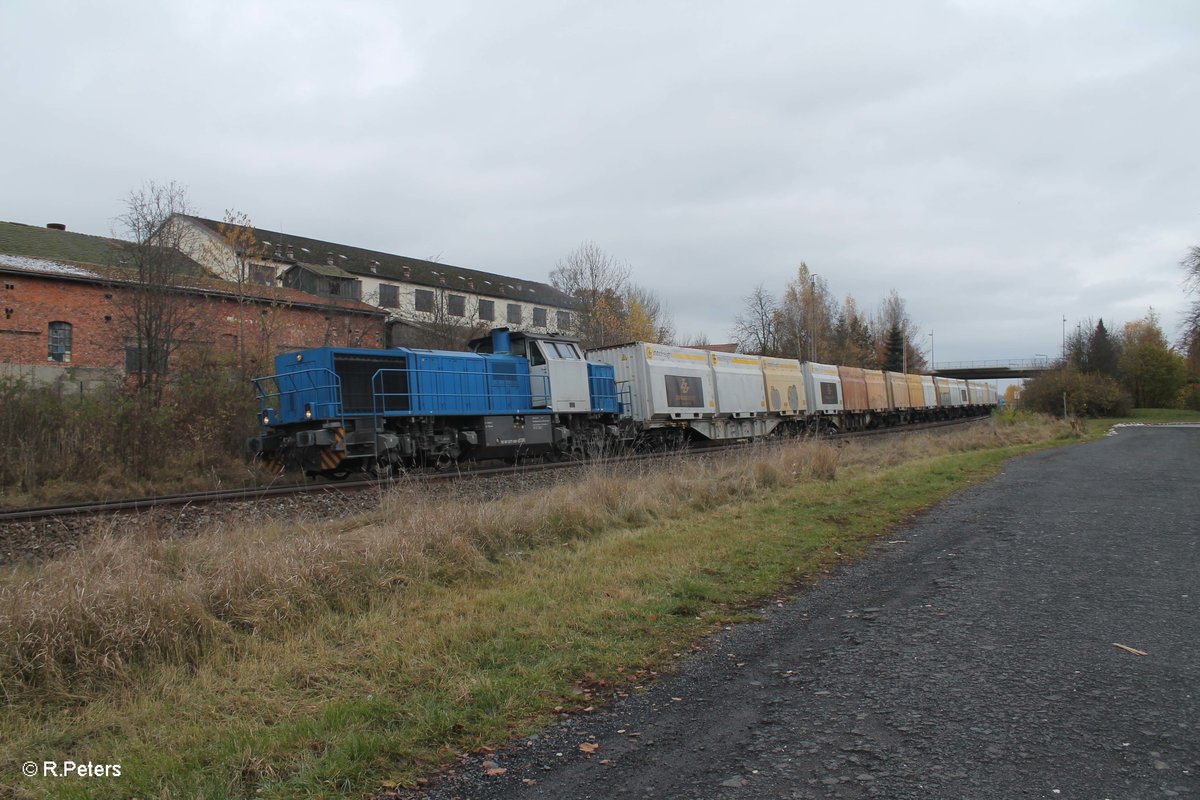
(518, 335)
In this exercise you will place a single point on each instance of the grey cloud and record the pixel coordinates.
(1000, 164)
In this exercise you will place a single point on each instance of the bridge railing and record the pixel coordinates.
(1009, 363)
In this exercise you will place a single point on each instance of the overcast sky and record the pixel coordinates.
(999, 163)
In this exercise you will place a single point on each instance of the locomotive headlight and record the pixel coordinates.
(308, 410)
(266, 417)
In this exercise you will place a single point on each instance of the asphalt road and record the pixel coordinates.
(973, 659)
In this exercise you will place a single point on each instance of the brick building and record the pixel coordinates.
(66, 300)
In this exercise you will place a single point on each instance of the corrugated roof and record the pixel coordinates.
(389, 267)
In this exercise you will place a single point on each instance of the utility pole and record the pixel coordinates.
(812, 319)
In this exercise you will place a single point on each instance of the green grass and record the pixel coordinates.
(382, 693)
(1099, 427)
(1165, 415)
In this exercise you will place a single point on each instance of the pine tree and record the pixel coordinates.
(893, 358)
(1103, 351)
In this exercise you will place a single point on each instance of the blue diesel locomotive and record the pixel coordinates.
(330, 410)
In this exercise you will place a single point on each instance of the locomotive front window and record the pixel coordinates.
(536, 359)
(564, 350)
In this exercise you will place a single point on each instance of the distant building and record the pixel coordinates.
(428, 303)
(65, 299)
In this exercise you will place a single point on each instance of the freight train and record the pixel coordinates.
(330, 411)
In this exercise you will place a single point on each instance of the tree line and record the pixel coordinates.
(805, 322)
(808, 322)
(1108, 371)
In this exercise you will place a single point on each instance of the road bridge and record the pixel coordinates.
(1002, 369)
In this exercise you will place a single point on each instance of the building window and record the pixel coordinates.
(514, 313)
(424, 299)
(456, 305)
(539, 317)
(487, 310)
(60, 342)
(564, 320)
(389, 295)
(262, 275)
(133, 359)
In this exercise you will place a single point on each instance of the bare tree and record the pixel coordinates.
(806, 318)
(1190, 341)
(154, 310)
(756, 327)
(891, 317)
(609, 308)
(646, 317)
(598, 282)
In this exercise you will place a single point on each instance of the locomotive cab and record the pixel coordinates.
(557, 368)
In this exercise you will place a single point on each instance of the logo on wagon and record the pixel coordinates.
(684, 392)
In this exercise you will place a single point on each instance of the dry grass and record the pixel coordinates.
(426, 646)
(81, 625)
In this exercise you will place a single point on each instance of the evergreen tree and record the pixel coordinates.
(893, 358)
(1103, 351)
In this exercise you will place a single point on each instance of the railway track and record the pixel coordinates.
(139, 504)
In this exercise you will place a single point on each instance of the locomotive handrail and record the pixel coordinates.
(624, 394)
(320, 410)
(596, 389)
(379, 395)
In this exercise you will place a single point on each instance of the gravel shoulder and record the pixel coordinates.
(972, 657)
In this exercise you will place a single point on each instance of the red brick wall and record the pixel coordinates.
(100, 327)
